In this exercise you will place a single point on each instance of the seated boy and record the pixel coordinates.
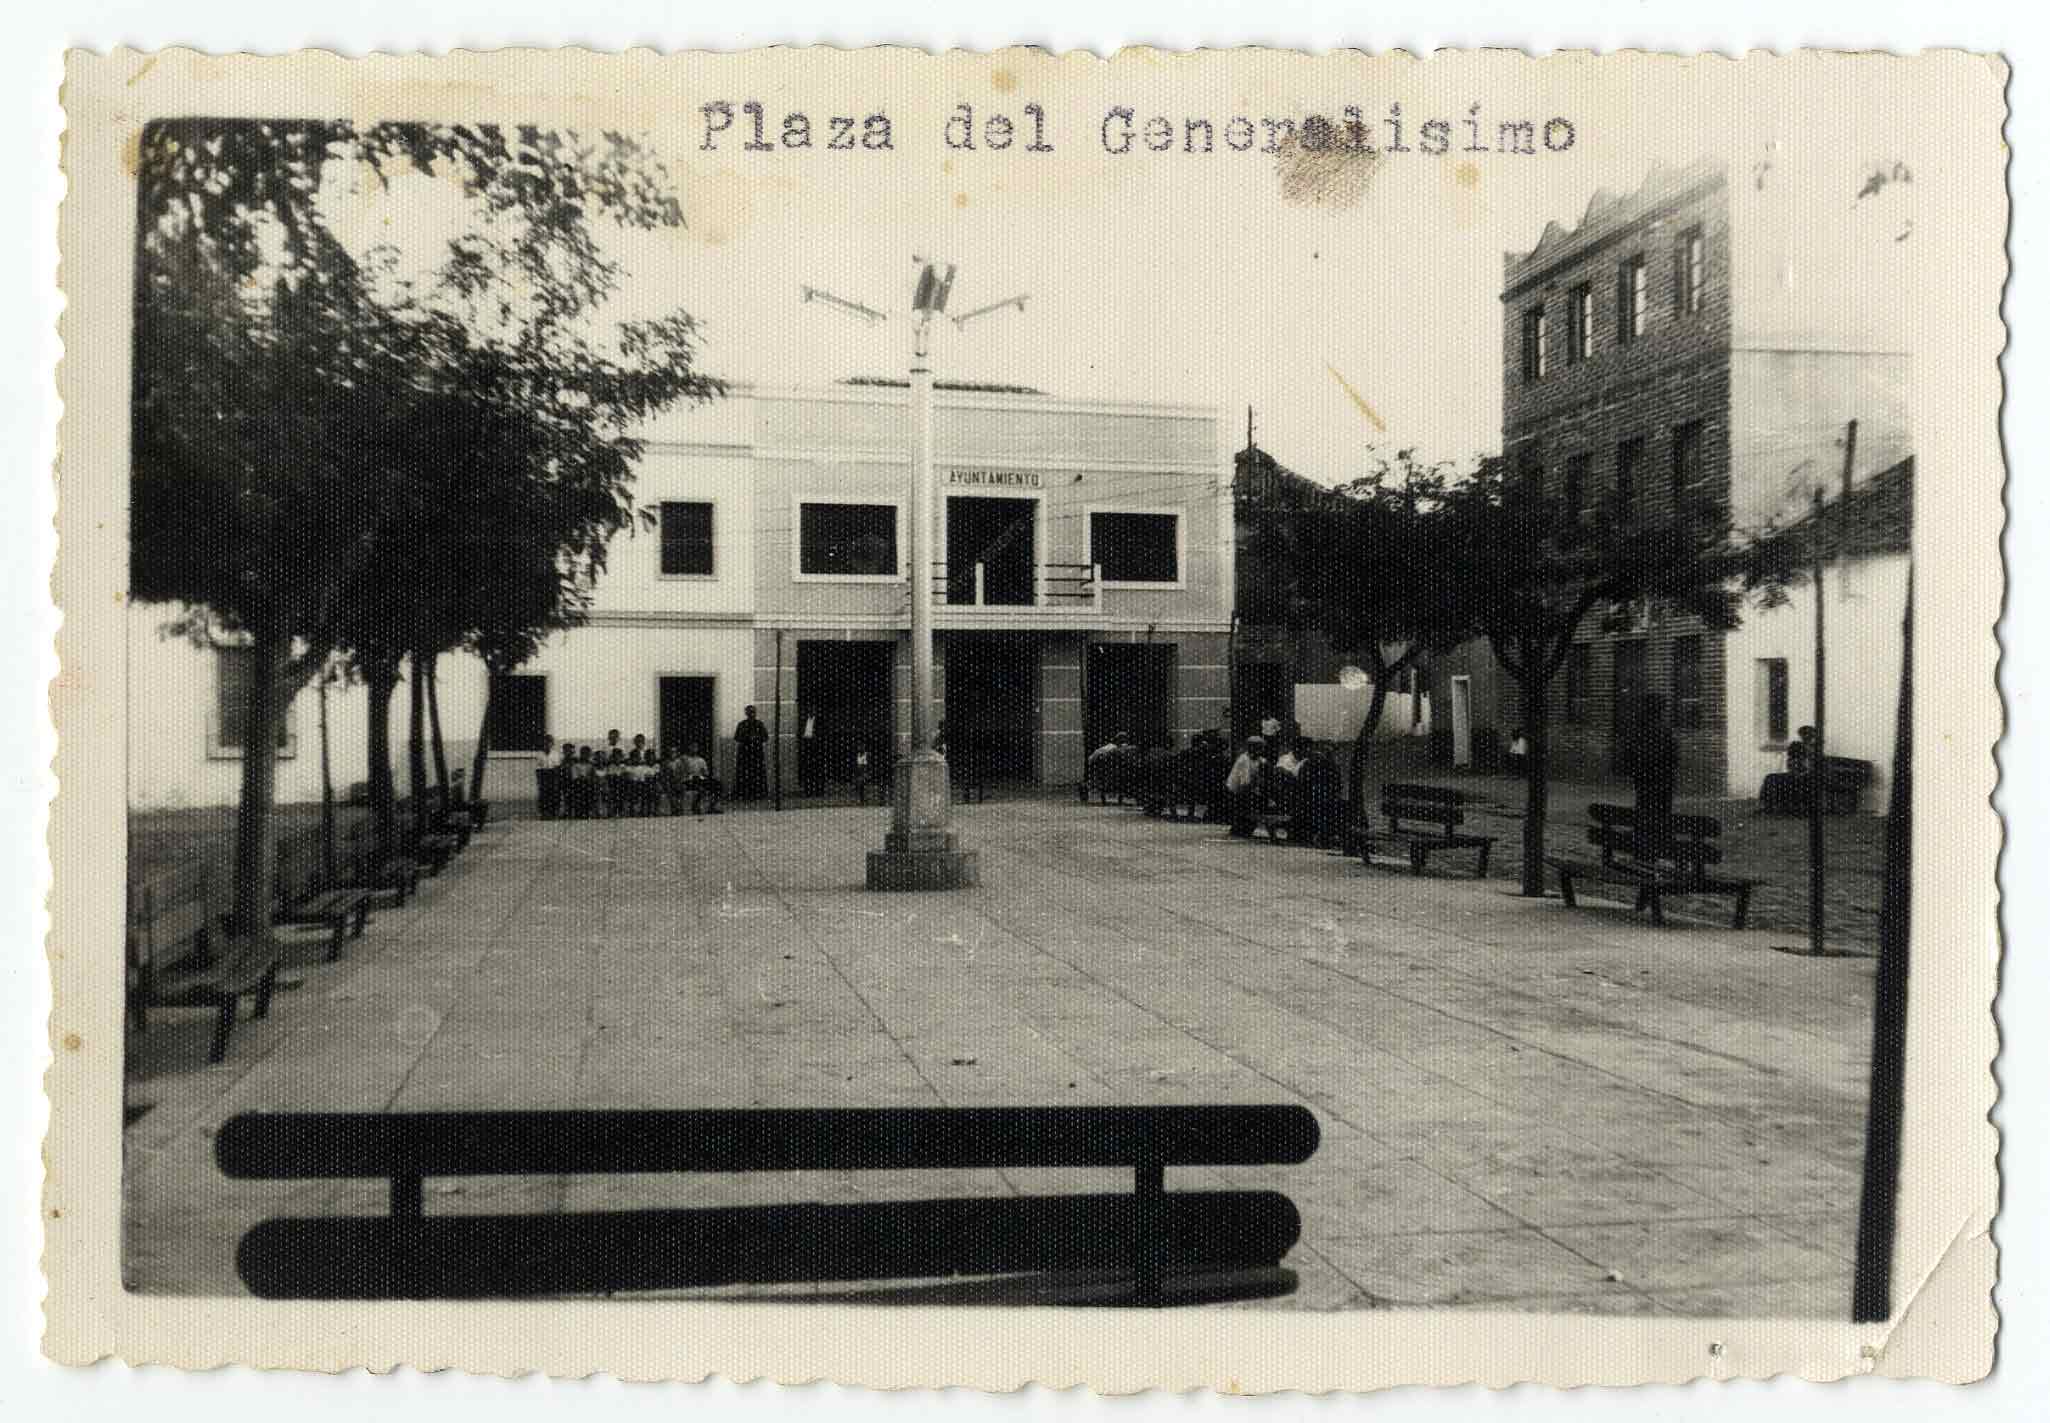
(706, 792)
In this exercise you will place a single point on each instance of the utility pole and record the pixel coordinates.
(921, 850)
(1818, 772)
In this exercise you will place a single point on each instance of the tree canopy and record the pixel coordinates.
(376, 450)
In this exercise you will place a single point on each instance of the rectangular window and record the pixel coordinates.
(1686, 468)
(518, 718)
(1580, 330)
(1576, 485)
(1687, 682)
(686, 538)
(847, 540)
(1772, 700)
(1629, 457)
(1136, 548)
(233, 667)
(1534, 335)
(1579, 668)
(1630, 296)
(1690, 271)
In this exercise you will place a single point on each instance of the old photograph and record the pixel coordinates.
(1169, 687)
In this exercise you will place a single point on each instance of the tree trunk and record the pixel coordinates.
(416, 743)
(327, 787)
(256, 847)
(1537, 769)
(1356, 793)
(481, 758)
(434, 731)
(383, 679)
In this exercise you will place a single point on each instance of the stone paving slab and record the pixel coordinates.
(1524, 1107)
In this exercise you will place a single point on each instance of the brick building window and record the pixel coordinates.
(1629, 456)
(1579, 676)
(518, 712)
(1686, 469)
(1690, 271)
(1580, 326)
(1534, 343)
(686, 539)
(1630, 300)
(1772, 700)
(1576, 485)
(1687, 682)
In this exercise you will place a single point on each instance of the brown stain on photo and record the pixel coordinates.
(1467, 175)
(1333, 174)
(1003, 81)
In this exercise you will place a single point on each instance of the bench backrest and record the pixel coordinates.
(168, 912)
(409, 1146)
(1846, 772)
(1440, 806)
(1687, 841)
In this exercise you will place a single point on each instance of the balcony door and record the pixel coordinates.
(999, 534)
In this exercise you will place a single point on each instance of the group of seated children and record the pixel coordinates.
(1287, 776)
(615, 780)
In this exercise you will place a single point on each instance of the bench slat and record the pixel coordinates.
(368, 1145)
(513, 1256)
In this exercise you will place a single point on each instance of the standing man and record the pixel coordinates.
(1654, 762)
(750, 776)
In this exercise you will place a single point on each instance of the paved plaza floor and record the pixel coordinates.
(1524, 1107)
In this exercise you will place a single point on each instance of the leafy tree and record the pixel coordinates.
(1532, 569)
(1369, 567)
(303, 414)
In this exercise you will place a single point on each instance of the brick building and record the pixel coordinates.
(1696, 343)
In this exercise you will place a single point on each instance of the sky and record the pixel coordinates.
(1366, 313)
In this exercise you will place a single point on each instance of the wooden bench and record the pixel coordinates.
(1421, 821)
(1844, 782)
(171, 922)
(1147, 1233)
(396, 875)
(304, 897)
(1670, 856)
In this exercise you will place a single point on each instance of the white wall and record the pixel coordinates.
(1329, 711)
(1862, 621)
(598, 678)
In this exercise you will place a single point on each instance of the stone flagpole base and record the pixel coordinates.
(921, 851)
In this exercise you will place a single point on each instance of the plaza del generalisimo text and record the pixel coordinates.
(750, 126)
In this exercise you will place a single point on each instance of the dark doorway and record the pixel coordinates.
(1260, 690)
(846, 704)
(683, 715)
(1627, 697)
(993, 705)
(998, 534)
(1130, 687)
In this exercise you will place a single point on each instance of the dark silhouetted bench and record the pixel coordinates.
(1656, 857)
(1844, 782)
(171, 923)
(1421, 820)
(1145, 1234)
(394, 875)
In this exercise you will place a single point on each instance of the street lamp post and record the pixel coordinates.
(921, 850)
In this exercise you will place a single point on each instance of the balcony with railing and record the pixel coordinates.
(998, 594)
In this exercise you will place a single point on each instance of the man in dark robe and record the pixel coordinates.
(750, 776)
